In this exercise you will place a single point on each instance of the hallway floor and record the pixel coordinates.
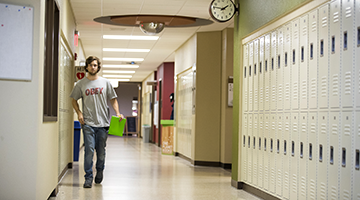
(136, 171)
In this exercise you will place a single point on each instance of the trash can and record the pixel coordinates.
(77, 128)
(146, 133)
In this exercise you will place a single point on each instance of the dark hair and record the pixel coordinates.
(90, 59)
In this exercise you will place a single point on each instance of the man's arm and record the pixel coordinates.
(77, 110)
(115, 105)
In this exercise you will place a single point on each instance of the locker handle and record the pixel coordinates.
(279, 61)
(311, 51)
(278, 146)
(302, 54)
(260, 67)
(286, 59)
(244, 72)
(255, 70)
(343, 157)
(301, 150)
(271, 145)
(333, 44)
(254, 143)
(244, 141)
(320, 153)
(272, 64)
(331, 155)
(357, 158)
(284, 147)
(266, 66)
(259, 143)
(310, 151)
(345, 40)
(293, 148)
(358, 36)
(322, 48)
(265, 144)
(294, 56)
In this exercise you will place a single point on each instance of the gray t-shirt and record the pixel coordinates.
(94, 96)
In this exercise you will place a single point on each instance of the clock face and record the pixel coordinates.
(222, 10)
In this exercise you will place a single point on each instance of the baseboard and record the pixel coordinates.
(54, 192)
(204, 163)
(252, 190)
(68, 166)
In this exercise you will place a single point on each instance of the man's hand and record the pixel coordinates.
(81, 118)
(121, 117)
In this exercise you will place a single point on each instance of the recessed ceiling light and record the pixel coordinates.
(116, 76)
(118, 72)
(123, 59)
(130, 37)
(125, 50)
(121, 66)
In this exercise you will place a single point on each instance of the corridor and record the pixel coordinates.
(136, 171)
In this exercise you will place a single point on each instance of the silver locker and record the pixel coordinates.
(261, 73)
(311, 156)
(245, 77)
(250, 150)
(254, 149)
(334, 156)
(273, 64)
(287, 68)
(256, 75)
(272, 152)
(286, 155)
(313, 58)
(278, 149)
(357, 52)
(346, 155)
(334, 43)
(322, 157)
(266, 151)
(244, 148)
(303, 155)
(356, 170)
(294, 156)
(323, 52)
(295, 64)
(267, 72)
(280, 68)
(347, 54)
(251, 76)
(260, 181)
(303, 61)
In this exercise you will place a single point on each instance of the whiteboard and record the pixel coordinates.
(16, 40)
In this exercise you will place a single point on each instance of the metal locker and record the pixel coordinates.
(278, 150)
(294, 55)
(287, 68)
(312, 151)
(323, 55)
(244, 148)
(267, 72)
(261, 73)
(347, 54)
(254, 149)
(294, 156)
(245, 77)
(286, 154)
(356, 159)
(303, 61)
(303, 155)
(322, 158)
(250, 150)
(334, 159)
(346, 155)
(280, 68)
(266, 151)
(251, 76)
(272, 153)
(256, 75)
(260, 181)
(313, 58)
(334, 43)
(272, 62)
(357, 52)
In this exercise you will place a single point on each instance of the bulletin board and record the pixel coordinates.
(16, 41)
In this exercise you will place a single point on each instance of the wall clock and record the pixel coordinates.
(222, 10)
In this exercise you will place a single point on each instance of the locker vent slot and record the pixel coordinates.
(343, 160)
(265, 145)
(358, 36)
(302, 54)
(310, 151)
(249, 142)
(278, 146)
(322, 48)
(254, 145)
(245, 72)
(244, 141)
(293, 56)
(279, 61)
(250, 71)
(272, 64)
(286, 59)
(293, 148)
(357, 158)
(331, 155)
(301, 150)
(271, 145)
(260, 67)
(284, 147)
(259, 143)
(345, 40)
(311, 51)
(333, 44)
(320, 153)
(255, 70)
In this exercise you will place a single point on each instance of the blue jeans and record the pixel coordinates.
(94, 139)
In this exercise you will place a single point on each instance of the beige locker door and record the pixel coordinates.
(322, 158)
(334, 156)
(303, 64)
(250, 150)
(313, 58)
(303, 155)
(273, 81)
(335, 76)
(294, 156)
(347, 54)
(357, 52)
(266, 151)
(260, 181)
(278, 143)
(311, 156)
(295, 64)
(261, 73)
(244, 148)
(245, 77)
(267, 73)
(346, 155)
(287, 68)
(286, 154)
(251, 76)
(356, 160)
(255, 149)
(280, 68)
(272, 152)
(323, 52)
(256, 75)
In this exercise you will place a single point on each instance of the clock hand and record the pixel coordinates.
(224, 7)
(217, 7)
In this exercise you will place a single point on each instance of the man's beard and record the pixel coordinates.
(93, 74)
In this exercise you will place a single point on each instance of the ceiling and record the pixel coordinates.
(161, 50)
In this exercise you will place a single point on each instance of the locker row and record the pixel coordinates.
(311, 62)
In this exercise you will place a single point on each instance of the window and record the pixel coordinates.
(51, 64)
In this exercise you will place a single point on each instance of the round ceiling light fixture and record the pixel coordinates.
(151, 28)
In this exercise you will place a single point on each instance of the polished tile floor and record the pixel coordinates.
(138, 171)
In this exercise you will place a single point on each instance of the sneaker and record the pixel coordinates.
(88, 183)
(99, 177)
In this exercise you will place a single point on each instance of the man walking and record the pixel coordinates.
(94, 117)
